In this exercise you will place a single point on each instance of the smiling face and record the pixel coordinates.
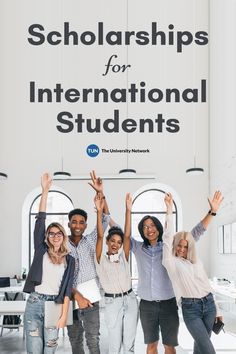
(114, 244)
(182, 249)
(55, 237)
(150, 231)
(77, 226)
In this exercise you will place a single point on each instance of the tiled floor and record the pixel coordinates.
(225, 343)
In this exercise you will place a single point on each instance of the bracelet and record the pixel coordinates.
(210, 212)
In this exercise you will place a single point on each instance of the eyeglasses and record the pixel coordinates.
(55, 234)
(147, 227)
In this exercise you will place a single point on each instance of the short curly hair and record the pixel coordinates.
(78, 212)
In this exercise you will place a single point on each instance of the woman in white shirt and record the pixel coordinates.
(189, 280)
(121, 305)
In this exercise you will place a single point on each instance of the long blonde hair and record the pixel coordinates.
(59, 256)
(191, 253)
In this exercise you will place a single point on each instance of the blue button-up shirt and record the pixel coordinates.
(153, 281)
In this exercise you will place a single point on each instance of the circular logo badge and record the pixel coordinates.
(93, 150)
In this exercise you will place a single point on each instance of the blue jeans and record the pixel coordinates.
(85, 320)
(39, 339)
(199, 316)
(121, 317)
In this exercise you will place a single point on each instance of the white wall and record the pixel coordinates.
(223, 125)
(29, 142)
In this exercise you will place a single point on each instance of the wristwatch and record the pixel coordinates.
(210, 212)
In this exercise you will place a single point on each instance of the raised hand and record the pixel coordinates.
(46, 181)
(96, 182)
(168, 201)
(215, 201)
(128, 201)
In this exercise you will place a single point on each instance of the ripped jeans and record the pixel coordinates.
(39, 339)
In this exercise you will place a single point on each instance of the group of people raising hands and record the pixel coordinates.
(170, 274)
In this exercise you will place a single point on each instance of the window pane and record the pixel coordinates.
(150, 201)
(57, 203)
